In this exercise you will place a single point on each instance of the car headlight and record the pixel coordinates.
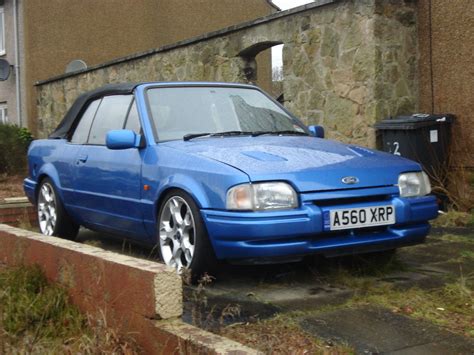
(262, 196)
(414, 184)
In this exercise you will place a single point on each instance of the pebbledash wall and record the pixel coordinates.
(346, 65)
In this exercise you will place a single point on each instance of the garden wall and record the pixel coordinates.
(18, 214)
(136, 297)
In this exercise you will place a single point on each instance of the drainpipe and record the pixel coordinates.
(17, 63)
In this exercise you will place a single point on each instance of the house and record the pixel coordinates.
(39, 39)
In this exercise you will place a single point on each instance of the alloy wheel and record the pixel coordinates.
(177, 233)
(47, 209)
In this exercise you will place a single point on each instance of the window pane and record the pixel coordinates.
(110, 115)
(82, 130)
(3, 112)
(2, 31)
(133, 121)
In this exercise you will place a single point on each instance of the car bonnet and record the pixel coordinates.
(309, 163)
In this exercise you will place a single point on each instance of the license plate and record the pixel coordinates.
(350, 218)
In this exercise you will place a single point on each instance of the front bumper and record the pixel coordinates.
(244, 235)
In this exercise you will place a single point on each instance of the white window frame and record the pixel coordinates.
(3, 112)
(2, 28)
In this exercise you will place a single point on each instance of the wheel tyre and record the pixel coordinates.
(182, 237)
(53, 219)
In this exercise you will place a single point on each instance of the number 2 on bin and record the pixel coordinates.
(396, 147)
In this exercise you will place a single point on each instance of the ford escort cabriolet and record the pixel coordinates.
(214, 171)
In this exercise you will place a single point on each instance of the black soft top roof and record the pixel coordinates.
(70, 119)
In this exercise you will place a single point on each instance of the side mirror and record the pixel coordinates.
(316, 131)
(123, 139)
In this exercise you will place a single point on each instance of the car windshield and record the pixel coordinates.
(189, 112)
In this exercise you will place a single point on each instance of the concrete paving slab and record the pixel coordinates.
(425, 277)
(424, 349)
(434, 252)
(437, 231)
(288, 287)
(378, 330)
(458, 268)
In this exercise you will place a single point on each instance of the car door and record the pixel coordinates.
(107, 183)
(66, 162)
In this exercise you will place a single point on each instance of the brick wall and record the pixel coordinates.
(18, 214)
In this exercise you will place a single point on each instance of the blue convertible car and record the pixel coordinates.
(210, 171)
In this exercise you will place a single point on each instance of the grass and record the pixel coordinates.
(25, 223)
(467, 254)
(36, 317)
(457, 238)
(357, 272)
(454, 219)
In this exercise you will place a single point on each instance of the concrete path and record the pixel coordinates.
(378, 330)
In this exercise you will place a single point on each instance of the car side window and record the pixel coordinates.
(84, 126)
(133, 121)
(110, 115)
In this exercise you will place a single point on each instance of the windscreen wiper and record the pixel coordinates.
(231, 133)
(287, 132)
(187, 137)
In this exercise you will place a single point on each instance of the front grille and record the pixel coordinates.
(351, 200)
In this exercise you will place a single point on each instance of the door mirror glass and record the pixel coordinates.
(122, 139)
(316, 131)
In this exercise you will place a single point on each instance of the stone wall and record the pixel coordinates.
(341, 73)
(200, 61)
(347, 64)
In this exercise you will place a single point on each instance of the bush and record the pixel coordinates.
(14, 142)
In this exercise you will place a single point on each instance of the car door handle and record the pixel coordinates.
(82, 159)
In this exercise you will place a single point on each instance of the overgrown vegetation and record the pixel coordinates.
(36, 317)
(450, 306)
(281, 335)
(14, 142)
(454, 219)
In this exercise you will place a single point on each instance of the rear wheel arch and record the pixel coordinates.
(38, 185)
(49, 171)
(51, 211)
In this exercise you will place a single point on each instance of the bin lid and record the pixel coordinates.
(415, 121)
